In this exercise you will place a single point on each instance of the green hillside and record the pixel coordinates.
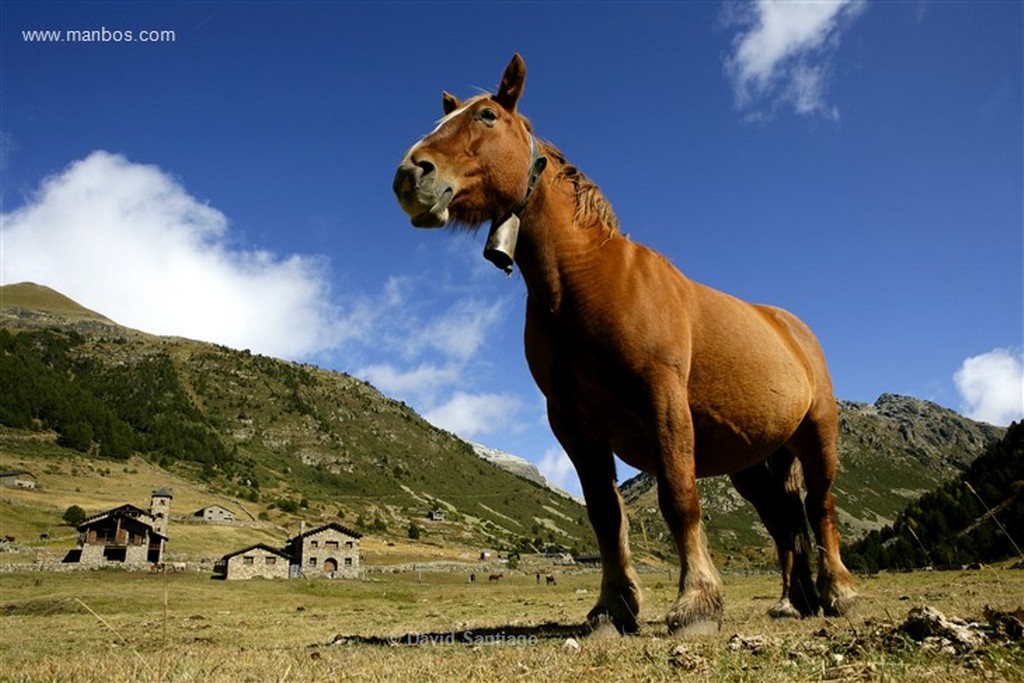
(290, 440)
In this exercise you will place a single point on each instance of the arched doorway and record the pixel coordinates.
(330, 565)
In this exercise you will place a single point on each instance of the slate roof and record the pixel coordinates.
(262, 546)
(329, 525)
(14, 473)
(128, 511)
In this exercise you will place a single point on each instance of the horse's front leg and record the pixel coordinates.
(620, 598)
(698, 608)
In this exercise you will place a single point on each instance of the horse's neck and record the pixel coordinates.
(553, 251)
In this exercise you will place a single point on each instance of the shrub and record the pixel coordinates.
(74, 516)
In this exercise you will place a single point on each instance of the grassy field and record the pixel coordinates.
(115, 626)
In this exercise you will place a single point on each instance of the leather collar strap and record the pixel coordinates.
(537, 166)
(501, 241)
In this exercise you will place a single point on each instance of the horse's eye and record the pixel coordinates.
(488, 115)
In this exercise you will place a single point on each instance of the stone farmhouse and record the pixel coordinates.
(18, 479)
(256, 561)
(214, 513)
(328, 551)
(126, 535)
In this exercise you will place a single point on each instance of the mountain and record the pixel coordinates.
(976, 517)
(890, 453)
(42, 302)
(288, 440)
(516, 465)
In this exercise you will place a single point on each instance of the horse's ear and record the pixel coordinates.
(449, 102)
(512, 83)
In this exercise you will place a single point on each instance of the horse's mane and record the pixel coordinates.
(592, 208)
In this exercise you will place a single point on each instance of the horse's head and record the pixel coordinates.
(476, 165)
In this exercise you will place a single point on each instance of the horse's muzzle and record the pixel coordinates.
(421, 196)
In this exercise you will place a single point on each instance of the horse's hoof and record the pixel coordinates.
(695, 614)
(842, 606)
(603, 625)
(706, 627)
(784, 610)
(603, 628)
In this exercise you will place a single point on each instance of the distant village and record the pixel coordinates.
(134, 537)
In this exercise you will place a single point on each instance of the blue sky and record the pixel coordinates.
(859, 163)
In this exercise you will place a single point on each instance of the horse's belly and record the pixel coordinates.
(730, 435)
(723, 449)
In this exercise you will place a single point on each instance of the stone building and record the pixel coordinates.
(256, 561)
(127, 534)
(160, 509)
(18, 479)
(330, 550)
(214, 513)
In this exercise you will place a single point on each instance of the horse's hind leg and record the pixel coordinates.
(815, 445)
(773, 488)
(620, 596)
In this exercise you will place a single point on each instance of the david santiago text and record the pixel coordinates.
(463, 638)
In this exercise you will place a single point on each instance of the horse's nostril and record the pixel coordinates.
(425, 166)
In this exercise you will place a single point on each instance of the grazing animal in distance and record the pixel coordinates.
(495, 577)
(633, 358)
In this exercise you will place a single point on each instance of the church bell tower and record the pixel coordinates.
(160, 509)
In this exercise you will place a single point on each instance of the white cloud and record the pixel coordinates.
(991, 386)
(461, 331)
(558, 469)
(432, 359)
(470, 415)
(783, 56)
(418, 384)
(129, 241)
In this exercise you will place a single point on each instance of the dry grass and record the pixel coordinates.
(113, 626)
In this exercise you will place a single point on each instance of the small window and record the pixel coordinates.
(248, 559)
(312, 562)
(314, 544)
(348, 561)
(271, 560)
(331, 544)
(350, 544)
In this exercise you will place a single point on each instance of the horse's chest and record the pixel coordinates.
(583, 381)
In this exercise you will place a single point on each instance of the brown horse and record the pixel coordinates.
(679, 380)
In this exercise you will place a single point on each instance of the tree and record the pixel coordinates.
(74, 516)
(76, 435)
